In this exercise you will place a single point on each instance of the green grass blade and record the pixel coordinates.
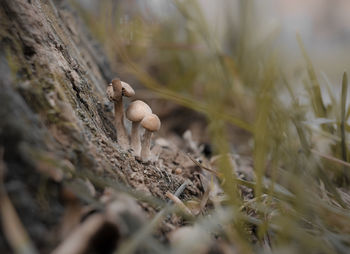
(315, 89)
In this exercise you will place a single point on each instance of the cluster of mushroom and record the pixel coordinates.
(139, 113)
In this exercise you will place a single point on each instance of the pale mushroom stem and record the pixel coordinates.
(122, 135)
(135, 138)
(146, 144)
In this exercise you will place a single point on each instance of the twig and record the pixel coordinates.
(203, 167)
(344, 92)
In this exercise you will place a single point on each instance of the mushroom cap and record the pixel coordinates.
(128, 91)
(137, 111)
(151, 122)
(119, 89)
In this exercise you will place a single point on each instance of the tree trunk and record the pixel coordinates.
(55, 122)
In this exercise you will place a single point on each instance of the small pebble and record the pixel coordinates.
(178, 171)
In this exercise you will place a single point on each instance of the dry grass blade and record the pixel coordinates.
(331, 158)
(205, 198)
(13, 229)
(344, 92)
(279, 191)
(179, 203)
(329, 89)
(77, 241)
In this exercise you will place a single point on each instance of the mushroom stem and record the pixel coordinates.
(135, 138)
(122, 135)
(146, 144)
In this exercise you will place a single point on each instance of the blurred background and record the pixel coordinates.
(259, 78)
(323, 24)
(184, 45)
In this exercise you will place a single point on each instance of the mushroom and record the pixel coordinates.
(151, 123)
(115, 92)
(135, 113)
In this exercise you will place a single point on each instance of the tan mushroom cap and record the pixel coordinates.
(137, 111)
(118, 88)
(151, 122)
(128, 91)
